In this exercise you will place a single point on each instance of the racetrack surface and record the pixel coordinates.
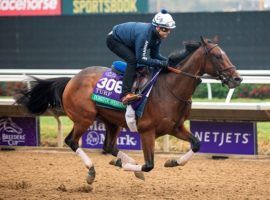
(51, 174)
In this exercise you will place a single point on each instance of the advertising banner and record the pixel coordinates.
(74, 7)
(30, 7)
(95, 137)
(226, 137)
(19, 131)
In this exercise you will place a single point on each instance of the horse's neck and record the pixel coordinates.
(183, 85)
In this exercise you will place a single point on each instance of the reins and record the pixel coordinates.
(178, 71)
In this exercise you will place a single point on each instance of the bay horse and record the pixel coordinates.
(167, 108)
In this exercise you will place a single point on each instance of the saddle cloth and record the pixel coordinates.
(109, 88)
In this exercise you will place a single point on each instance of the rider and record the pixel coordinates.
(131, 41)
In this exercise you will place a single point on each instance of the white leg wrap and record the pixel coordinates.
(130, 119)
(87, 161)
(132, 167)
(185, 158)
(125, 158)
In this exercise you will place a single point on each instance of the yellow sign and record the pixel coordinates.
(104, 6)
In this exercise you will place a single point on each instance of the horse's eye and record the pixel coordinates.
(219, 57)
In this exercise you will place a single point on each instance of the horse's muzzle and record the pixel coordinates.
(234, 82)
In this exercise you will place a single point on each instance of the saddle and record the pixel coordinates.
(142, 76)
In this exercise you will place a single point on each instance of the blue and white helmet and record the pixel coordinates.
(164, 19)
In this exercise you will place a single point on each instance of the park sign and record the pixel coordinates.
(226, 137)
(30, 7)
(75, 7)
(94, 138)
(19, 131)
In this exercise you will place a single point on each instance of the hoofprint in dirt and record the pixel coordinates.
(40, 174)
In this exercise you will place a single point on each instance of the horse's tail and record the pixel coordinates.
(43, 95)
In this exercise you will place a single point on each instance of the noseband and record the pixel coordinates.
(220, 72)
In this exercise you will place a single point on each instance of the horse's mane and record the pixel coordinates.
(177, 56)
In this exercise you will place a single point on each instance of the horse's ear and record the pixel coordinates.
(203, 41)
(215, 39)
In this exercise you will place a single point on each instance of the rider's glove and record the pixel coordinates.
(164, 64)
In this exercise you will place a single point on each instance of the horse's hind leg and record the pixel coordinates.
(72, 140)
(184, 134)
(110, 145)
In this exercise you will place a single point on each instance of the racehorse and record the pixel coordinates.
(167, 107)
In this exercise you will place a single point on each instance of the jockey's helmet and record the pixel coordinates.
(163, 19)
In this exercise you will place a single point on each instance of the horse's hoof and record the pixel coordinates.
(139, 175)
(116, 162)
(171, 163)
(91, 175)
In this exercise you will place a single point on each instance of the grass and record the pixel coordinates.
(49, 129)
(263, 129)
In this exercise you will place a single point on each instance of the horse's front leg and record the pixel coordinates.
(148, 145)
(184, 134)
(110, 146)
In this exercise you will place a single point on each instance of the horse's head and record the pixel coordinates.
(218, 64)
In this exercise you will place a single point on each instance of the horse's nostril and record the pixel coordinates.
(238, 79)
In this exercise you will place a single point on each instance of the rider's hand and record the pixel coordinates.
(164, 64)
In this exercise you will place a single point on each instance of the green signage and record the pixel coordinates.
(74, 7)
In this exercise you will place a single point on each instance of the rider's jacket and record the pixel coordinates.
(140, 38)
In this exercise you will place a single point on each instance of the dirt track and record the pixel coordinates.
(61, 175)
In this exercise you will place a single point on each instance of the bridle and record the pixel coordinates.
(220, 72)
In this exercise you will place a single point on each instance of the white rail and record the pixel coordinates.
(10, 75)
(75, 71)
(39, 71)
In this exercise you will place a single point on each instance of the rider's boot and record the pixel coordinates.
(130, 97)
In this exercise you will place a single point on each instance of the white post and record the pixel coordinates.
(229, 95)
(59, 132)
(166, 143)
(209, 90)
(28, 84)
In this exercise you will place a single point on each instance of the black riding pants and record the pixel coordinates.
(129, 56)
